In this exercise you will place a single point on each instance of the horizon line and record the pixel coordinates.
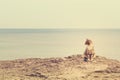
(60, 28)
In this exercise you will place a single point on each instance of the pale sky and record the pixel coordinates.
(59, 13)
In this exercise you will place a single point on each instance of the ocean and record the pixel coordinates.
(46, 43)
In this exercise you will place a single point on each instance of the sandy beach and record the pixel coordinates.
(66, 68)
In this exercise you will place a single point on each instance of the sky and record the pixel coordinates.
(59, 13)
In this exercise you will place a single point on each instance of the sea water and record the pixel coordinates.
(45, 43)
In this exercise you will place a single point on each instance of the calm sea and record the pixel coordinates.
(42, 43)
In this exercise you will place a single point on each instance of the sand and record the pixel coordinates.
(67, 68)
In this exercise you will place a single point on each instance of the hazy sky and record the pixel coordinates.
(59, 13)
